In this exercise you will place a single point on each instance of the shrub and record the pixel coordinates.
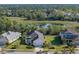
(13, 47)
(51, 47)
(57, 41)
(29, 47)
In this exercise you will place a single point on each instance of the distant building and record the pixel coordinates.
(46, 26)
(36, 39)
(67, 14)
(9, 37)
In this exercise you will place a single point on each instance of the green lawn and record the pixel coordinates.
(48, 38)
(12, 44)
(18, 46)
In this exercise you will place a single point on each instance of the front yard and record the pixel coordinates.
(26, 48)
(23, 47)
(19, 46)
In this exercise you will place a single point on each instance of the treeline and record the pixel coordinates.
(41, 12)
(24, 28)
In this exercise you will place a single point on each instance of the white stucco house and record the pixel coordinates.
(9, 37)
(36, 39)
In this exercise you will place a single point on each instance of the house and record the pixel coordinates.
(36, 39)
(69, 37)
(9, 37)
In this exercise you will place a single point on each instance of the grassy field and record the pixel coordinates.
(21, 20)
(15, 18)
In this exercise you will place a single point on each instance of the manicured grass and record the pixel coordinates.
(18, 45)
(12, 44)
(49, 38)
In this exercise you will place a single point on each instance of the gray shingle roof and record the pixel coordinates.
(11, 35)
